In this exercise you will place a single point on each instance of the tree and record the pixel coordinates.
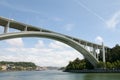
(112, 61)
(20, 65)
(101, 65)
(78, 64)
(88, 64)
(109, 65)
(115, 53)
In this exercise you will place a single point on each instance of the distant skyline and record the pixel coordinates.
(90, 20)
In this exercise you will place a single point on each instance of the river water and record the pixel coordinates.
(57, 75)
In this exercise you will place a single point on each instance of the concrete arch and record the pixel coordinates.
(54, 36)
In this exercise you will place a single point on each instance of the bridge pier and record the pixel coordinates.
(40, 30)
(6, 28)
(25, 29)
(94, 52)
(91, 48)
(86, 45)
(103, 51)
(97, 51)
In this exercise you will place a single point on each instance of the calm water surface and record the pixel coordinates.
(57, 75)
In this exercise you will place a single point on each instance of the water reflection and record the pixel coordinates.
(57, 75)
(102, 76)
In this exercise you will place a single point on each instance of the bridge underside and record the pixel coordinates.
(57, 37)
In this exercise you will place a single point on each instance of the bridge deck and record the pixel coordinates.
(22, 26)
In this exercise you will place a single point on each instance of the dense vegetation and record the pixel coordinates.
(112, 58)
(112, 61)
(19, 65)
(78, 64)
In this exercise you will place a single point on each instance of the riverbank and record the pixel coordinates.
(93, 71)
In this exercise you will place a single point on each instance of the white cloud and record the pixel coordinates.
(54, 54)
(17, 42)
(69, 27)
(99, 39)
(58, 45)
(113, 21)
(40, 44)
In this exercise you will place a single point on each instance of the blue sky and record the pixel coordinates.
(90, 20)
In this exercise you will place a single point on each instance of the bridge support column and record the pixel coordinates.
(103, 51)
(86, 46)
(97, 55)
(25, 29)
(40, 30)
(91, 48)
(6, 28)
(94, 52)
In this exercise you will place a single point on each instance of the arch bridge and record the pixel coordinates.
(88, 49)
